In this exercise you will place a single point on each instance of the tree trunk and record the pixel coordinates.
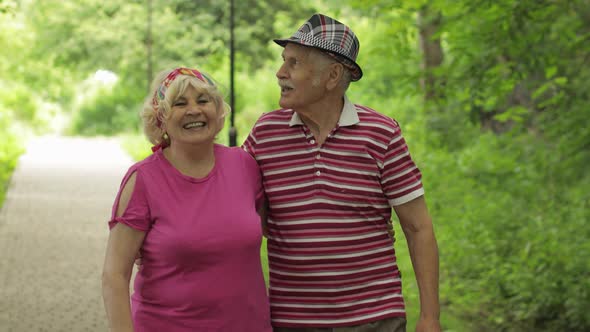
(428, 24)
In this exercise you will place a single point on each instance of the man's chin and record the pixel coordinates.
(284, 104)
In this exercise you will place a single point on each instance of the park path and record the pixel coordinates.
(53, 231)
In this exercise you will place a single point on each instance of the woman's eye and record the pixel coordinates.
(203, 100)
(179, 103)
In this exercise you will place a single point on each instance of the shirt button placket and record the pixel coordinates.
(317, 159)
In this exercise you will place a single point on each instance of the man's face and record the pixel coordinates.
(299, 78)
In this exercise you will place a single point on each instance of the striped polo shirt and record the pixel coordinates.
(331, 260)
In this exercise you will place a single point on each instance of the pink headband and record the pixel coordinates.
(160, 92)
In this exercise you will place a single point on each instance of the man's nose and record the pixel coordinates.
(281, 73)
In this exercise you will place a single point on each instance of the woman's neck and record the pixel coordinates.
(191, 160)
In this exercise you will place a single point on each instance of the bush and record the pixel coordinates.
(136, 145)
(10, 150)
(513, 236)
(109, 111)
(20, 101)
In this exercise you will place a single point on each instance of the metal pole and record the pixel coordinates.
(232, 130)
(149, 44)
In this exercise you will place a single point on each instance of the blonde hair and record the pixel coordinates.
(154, 120)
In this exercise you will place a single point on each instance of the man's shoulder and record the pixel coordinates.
(273, 123)
(278, 115)
(277, 119)
(370, 116)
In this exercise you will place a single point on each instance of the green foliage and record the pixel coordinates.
(512, 240)
(137, 146)
(504, 147)
(19, 101)
(10, 149)
(107, 111)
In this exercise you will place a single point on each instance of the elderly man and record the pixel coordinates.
(332, 170)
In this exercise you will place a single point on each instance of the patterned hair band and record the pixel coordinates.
(160, 93)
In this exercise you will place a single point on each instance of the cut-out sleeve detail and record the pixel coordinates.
(137, 212)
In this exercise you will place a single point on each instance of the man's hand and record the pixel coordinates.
(428, 325)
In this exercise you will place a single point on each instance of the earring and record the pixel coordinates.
(165, 136)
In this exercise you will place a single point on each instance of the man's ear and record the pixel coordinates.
(335, 75)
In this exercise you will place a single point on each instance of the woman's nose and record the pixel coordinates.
(193, 108)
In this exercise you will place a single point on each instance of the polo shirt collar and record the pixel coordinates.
(348, 117)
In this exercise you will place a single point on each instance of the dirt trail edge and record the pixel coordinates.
(53, 234)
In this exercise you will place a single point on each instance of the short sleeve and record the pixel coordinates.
(137, 213)
(400, 177)
(250, 143)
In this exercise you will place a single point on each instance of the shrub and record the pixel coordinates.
(109, 111)
(20, 101)
(514, 254)
(10, 150)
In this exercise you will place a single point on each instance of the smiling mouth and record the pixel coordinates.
(190, 125)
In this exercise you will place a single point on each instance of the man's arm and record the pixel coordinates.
(417, 226)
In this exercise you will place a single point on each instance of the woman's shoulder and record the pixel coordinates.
(146, 164)
(234, 154)
(230, 151)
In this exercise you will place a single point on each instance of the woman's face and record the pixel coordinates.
(195, 118)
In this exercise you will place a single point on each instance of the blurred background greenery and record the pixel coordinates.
(492, 96)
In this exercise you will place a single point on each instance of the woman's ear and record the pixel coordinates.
(222, 114)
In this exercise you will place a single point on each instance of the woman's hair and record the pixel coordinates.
(154, 120)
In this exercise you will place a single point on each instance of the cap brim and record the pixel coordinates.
(354, 78)
(283, 42)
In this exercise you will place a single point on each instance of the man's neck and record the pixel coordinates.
(322, 117)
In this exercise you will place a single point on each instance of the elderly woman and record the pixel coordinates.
(190, 210)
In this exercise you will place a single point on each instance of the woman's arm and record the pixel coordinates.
(123, 244)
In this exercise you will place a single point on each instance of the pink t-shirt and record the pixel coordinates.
(201, 255)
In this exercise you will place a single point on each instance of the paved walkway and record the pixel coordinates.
(53, 234)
